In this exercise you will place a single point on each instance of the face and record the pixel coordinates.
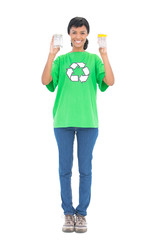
(78, 36)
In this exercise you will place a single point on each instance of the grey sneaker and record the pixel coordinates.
(69, 223)
(81, 224)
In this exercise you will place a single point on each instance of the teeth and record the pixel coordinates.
(78, 41)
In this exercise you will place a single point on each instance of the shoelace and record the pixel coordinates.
(81, 220)
(68, 219)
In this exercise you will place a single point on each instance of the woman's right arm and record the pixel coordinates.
(46, 75)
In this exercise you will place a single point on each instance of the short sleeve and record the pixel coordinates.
(100, 73)
(55, 75)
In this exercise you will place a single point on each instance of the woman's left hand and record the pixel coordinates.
(103, 51)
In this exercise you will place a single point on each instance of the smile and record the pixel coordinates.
(78, 41)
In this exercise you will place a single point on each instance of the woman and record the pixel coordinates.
(77, 74)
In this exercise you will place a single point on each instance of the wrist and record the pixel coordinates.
(51, 56)
(104, 56)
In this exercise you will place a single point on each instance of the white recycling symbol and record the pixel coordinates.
(76, 78)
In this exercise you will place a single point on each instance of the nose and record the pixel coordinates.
(78, 36)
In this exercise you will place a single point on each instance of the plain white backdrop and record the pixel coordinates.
(126, 181)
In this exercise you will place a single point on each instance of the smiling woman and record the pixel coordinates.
(77, 74)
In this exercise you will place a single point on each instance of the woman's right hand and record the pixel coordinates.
(53, 50)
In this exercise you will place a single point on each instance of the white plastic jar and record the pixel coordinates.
(102, 40)
(58, 40)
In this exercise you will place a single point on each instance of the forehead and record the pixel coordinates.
(83, 28)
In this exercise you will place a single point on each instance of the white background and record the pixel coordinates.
(125, 189)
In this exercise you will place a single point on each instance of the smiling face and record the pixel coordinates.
(78, 36)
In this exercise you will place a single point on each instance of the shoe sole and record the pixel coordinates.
(80, 230)
(68, 230)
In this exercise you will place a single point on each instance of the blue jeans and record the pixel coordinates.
(86, 138)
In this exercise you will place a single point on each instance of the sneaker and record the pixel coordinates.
(81, 224)
(69, 223)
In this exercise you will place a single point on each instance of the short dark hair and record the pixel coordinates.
(79, 22)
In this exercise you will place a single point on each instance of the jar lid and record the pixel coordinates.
(57, 34)
(102, 35)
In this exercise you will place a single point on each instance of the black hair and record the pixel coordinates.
(79, 22)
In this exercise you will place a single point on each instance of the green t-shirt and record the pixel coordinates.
(77, 75)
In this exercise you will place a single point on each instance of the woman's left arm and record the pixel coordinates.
(109, 77)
